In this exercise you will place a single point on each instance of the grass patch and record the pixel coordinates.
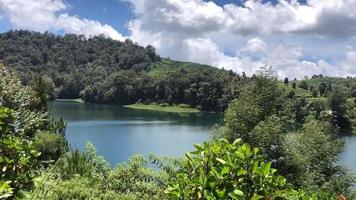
(299, 92)
(71, 100)
(181, 108)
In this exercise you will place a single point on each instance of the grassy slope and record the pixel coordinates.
(167, 66)
(298, 91)
(174, 108)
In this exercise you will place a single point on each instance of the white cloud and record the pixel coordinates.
(288, 61)
(348, 64)
(42, 15)
(316, 17)
(86, 27)
(32, 14)
(260, 33)
(255, 45)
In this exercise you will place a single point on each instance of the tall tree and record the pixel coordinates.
(338, 105)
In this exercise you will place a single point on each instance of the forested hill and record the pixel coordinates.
(33, 52)
(103, 70)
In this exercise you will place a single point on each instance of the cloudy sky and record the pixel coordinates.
(296, 37)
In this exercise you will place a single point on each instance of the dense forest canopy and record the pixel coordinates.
(103, 70)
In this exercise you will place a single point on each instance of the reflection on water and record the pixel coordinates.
(348, 157)
(118, 133)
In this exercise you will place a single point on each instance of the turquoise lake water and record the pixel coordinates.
(119, 133)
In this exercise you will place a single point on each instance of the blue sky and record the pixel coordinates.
(114, 12)
(117, 13)
(295, 37)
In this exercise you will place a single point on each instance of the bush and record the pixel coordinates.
(221, 170)
(18, 162)
(51, 145)
(138, 179)
(84, 164)
(303, 85)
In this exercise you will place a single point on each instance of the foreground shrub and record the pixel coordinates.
(221, 170)
(85, 175)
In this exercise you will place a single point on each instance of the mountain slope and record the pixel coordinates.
(103, 70)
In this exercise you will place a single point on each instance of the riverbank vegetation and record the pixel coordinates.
(271, 146)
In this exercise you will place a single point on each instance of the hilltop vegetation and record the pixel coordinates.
(103, 70)
(319, 86)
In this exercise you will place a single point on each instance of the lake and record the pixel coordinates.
(348, 157)
(119, 133)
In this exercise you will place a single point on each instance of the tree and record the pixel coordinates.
(286, 81)
(316, 107)
(300, 110)
(315, 93)
(353, 91)
(269, 137)
(338, 105)
(262, 117)
(323, 87)
(259, 100)
(304, 85)
(40, 88)
(294, 84)
(23, 114)
(311, 159)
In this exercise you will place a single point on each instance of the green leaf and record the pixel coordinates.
(237, 141)
(220, 193)
(225, 170)
(221, 161)
(5, 189)
(241, 172)
(239, 193)
(266, 168)
(256, 197)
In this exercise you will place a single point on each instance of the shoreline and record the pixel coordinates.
(71, 100)
(171, 108)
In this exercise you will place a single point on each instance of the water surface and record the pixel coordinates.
(119, 133)
(348, 157)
